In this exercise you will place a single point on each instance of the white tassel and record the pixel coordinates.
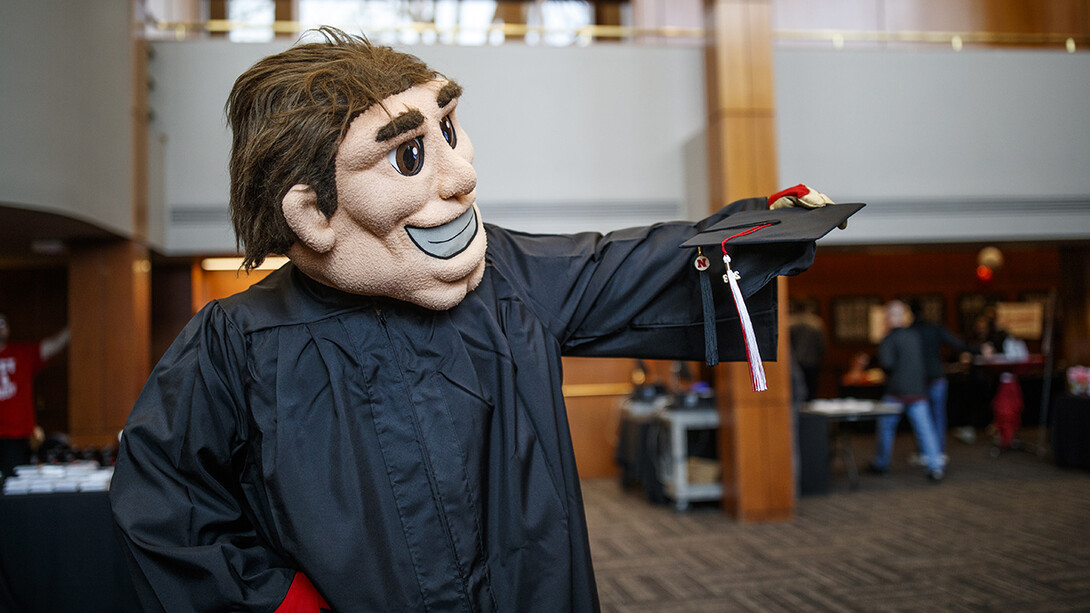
(753, 353)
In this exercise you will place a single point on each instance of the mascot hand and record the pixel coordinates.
(800, 196)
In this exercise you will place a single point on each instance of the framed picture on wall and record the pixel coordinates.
(933, 306)
(1023, 320)
(852, 319)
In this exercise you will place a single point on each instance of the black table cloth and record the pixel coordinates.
(59, 552)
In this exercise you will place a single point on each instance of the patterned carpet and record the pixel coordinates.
(1006, 533)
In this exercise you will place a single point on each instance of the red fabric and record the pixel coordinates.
(797, 191)
(19, 363)
(1007, 409)
(302, 597)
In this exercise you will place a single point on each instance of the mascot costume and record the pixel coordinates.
(379, 425)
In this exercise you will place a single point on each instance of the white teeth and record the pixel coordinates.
(447, 240)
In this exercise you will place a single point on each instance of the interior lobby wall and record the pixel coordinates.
(566, 139)
(66, 125)
(943, 146)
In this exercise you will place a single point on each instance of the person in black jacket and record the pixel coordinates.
(934, 336)
(901, 355)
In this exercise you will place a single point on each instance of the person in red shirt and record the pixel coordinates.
(19, 364)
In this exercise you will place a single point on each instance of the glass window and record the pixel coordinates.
(256, 18)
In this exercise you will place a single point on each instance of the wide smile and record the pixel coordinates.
(447, 240)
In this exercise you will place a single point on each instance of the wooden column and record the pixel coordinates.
(141, 112)
(756, 428)
(1074, 306)
(109, 316)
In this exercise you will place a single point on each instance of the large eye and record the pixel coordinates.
(447, 126)
(408, 157)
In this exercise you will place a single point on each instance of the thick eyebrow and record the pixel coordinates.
(448, 92)
(409, 120)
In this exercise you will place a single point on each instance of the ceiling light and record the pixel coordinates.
(219, 264)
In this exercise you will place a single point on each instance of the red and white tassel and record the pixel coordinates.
(753, 352)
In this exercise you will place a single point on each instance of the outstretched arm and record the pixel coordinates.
(635, 293)
(53, 345)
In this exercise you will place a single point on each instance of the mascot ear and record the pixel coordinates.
(300, 208)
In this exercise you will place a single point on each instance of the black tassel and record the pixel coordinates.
(711, 338)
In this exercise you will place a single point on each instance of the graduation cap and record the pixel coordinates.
(765, 227)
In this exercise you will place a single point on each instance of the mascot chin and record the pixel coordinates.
(378, 425)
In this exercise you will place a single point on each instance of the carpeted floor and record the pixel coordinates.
(1006, 533)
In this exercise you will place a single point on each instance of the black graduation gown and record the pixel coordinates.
(403, 459)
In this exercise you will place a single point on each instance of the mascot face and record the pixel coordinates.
(407, 224)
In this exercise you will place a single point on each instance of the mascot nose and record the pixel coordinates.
(457, 177)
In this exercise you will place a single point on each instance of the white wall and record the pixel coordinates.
(65, 100)
(944, 146)
(982, 145)
(566, 139)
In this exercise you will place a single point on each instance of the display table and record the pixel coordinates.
(674, 458)
(1018, 366)
(819, 422)
(1071, 431)
(59, 552)
(637, 439)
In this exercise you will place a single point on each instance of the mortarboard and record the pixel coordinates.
(777, 228)
(789, 225)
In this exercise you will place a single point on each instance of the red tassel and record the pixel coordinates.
(753, 352)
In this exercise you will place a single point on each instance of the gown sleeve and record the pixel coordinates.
(635, 293)
(176, 495)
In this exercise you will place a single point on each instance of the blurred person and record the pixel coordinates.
(1007, 408)
(985, 339)
(901, 355)
(933, 336)
(807, 337)
(19, 364)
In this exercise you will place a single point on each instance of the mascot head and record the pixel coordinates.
(349, 159)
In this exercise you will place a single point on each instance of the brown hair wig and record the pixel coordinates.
(288, 115)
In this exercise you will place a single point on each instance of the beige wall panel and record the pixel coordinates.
(594, 422)
(594, 387)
